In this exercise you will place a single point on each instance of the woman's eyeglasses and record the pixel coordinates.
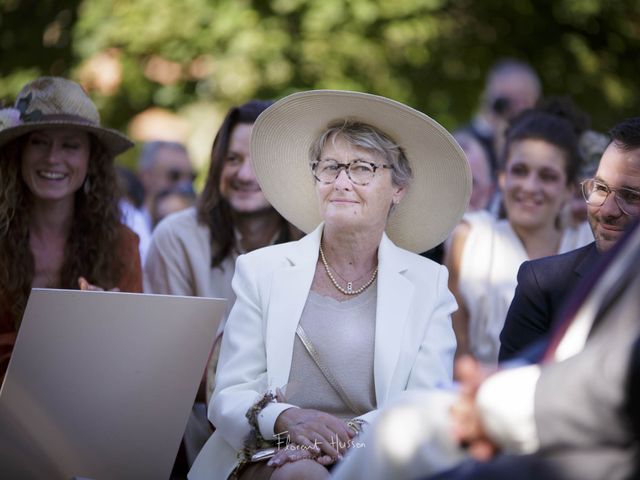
(358, 171)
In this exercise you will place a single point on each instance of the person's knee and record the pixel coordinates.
(301, 470)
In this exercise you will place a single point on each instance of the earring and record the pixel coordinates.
(87, 185)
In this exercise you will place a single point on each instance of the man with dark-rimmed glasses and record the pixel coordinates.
(613, 203)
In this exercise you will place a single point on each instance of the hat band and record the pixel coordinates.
(62, 117)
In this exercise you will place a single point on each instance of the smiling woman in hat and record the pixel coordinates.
(329, 329)
(59, 219)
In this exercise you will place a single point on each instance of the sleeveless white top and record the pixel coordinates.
(490, 261)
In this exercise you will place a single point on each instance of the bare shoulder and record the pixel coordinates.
(459, 236)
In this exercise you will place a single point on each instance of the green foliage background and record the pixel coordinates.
(431, 54)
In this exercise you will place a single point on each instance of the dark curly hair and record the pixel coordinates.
(93, 241)
(556, 121)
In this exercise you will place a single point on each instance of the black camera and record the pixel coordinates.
(501, 105)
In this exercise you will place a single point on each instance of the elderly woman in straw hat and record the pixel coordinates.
(59, 219)
(327, 330)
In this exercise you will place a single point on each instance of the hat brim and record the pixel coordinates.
(114, 141)
(436, 198)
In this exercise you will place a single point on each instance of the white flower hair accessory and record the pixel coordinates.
(9, 117)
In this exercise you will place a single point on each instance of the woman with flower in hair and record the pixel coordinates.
(59, 218)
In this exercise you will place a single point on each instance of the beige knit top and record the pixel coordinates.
(342, 333)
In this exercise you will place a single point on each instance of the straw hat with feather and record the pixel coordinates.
(57, 102)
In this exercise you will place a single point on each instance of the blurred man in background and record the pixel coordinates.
(163, 166)
(511, 87)
(483, 177)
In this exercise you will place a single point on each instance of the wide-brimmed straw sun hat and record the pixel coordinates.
(436, 198)
(57, 102)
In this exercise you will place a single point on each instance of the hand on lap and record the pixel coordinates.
(317, 432)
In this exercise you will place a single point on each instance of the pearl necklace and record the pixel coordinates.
(349, 290)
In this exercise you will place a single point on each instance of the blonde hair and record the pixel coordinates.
(367, 137)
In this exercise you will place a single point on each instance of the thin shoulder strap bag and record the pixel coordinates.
(333, 381)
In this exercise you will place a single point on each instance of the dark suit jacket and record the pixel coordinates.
(543, 286)
(587, 405)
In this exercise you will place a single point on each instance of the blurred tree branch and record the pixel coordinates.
(432, 54)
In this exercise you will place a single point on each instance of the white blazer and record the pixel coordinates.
(413, 349)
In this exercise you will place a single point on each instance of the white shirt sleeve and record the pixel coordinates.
(506, 405)
(134, 219)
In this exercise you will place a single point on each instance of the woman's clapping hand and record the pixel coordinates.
(84, 284)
